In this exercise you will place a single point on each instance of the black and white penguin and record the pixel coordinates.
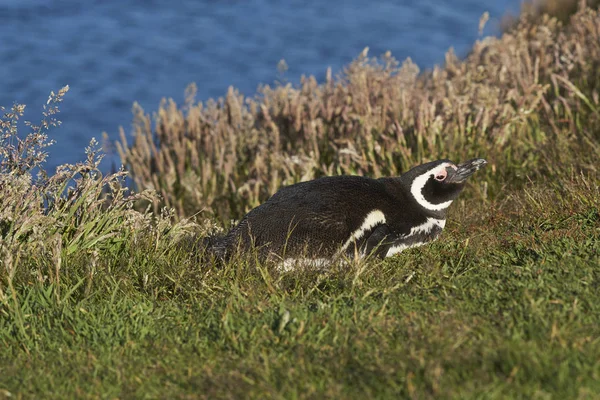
(350, 216)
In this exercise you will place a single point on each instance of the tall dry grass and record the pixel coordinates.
(528, 102)
(534, 11)
(75, 213)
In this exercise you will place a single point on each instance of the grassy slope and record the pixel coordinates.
(507, 304)
(99, 302)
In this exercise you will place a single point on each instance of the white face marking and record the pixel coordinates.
(372, 219)
(425, 227)
(419, 183)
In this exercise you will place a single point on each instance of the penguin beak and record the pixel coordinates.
(465, 170)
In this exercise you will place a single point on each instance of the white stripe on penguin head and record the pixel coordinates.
(419, 183)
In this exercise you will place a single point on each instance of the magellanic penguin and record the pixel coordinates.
(334, 216)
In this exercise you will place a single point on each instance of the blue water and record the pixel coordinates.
(112, 53)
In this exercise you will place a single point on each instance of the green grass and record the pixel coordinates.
(505, 305)
(100, 298)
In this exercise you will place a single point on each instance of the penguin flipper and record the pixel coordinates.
(374, 243)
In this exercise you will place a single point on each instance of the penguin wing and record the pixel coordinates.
(379, 241)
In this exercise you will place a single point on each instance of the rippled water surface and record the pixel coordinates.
(113, 53)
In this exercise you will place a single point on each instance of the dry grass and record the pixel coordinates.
(77, 212)
(535, 10)
(519, 101)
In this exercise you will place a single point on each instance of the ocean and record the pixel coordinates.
(112, 53)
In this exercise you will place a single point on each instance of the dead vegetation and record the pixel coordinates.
(519, 101)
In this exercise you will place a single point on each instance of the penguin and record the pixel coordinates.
(349, 216)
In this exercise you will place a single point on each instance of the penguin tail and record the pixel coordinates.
(207, 249)
(214, 246)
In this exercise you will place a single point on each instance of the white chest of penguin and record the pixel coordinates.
(417, 236)
(430, 228)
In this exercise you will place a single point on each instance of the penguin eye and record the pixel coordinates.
(441, 175)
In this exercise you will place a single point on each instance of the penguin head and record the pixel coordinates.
(436, 184)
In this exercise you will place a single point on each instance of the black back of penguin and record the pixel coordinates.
(342, 214)
(311, 218)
